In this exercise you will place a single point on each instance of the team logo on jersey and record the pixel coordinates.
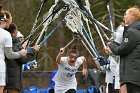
(126, 40)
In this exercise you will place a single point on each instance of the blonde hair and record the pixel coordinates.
(135, 12)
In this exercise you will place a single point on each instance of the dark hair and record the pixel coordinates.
(2, 15)
(12, 27)
(73, 49)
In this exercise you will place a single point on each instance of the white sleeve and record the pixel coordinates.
(63, 60)
(79, 61)
(119, 34)
(8, 40)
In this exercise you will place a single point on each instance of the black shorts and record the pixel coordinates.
(111, 88)
(71, 91)
(132, 88)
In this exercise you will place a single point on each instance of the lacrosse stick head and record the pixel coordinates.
(60, 4)
(77, 36)
(106, 1)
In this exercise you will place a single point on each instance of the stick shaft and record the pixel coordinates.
(69, 43)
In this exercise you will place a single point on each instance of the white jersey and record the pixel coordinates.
(5, 41)
(114, 64)
(119, 34)
(65, 77)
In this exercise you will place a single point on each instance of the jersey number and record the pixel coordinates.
(69, 75)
